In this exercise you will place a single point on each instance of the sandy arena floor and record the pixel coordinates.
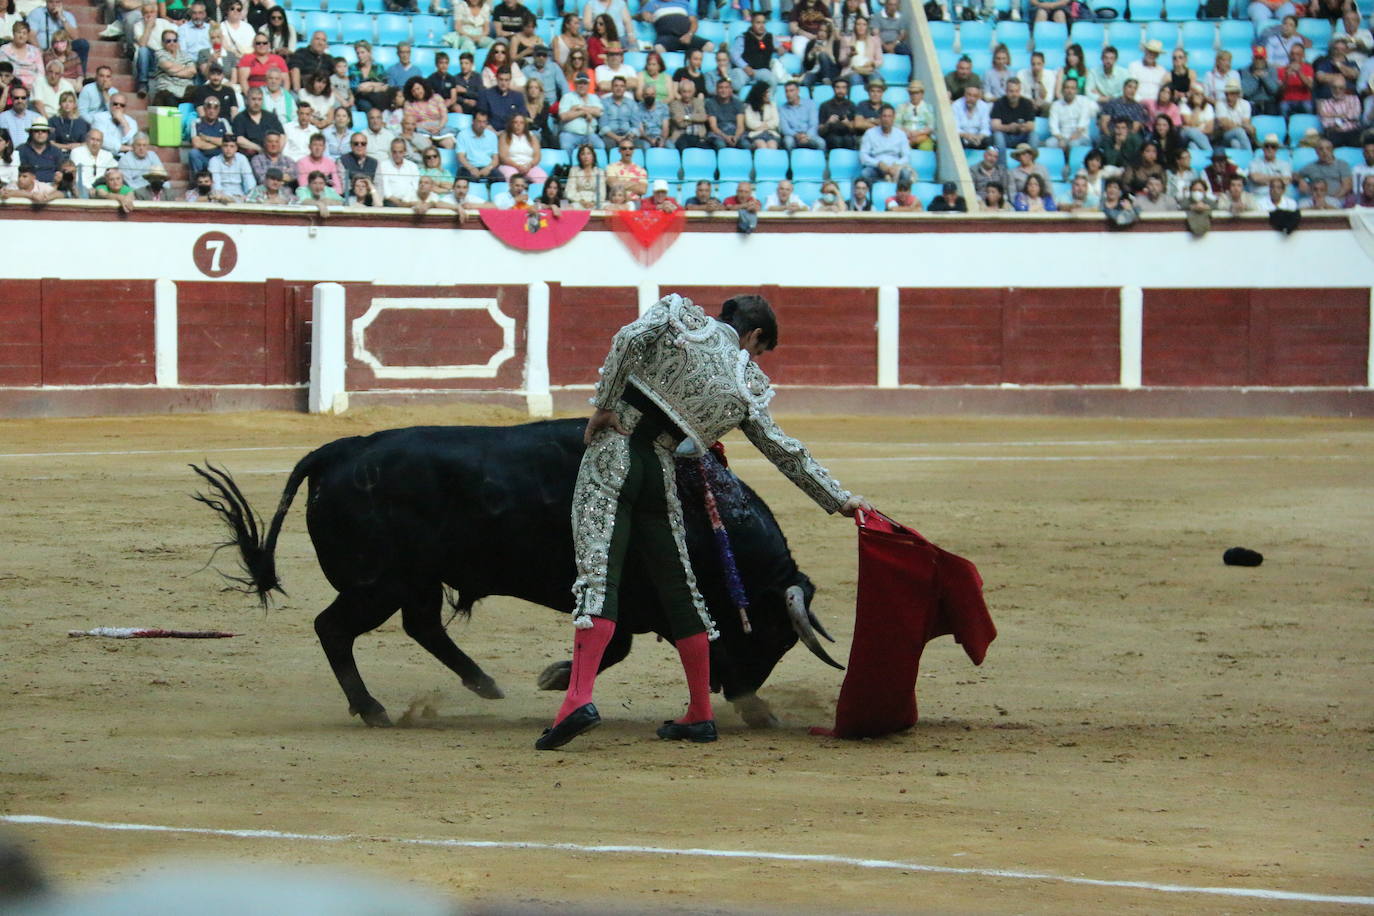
(1147, 714)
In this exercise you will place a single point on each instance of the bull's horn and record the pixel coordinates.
(816, 624)
(802, 619)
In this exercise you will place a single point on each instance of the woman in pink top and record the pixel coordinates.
(430, 112)
(26, 58)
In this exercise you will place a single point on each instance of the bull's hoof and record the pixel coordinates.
(375, 715)
(485, 688)
(756, 712)
(556, 676)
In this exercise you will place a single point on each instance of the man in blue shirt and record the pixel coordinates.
(402, 70)
(555, 83)
(230, 172)
(653, 119)
(798, 121)
(96, 96)
(620, 116)
(501, 102)
(477, 150)
(194, 33)
(674, 26)
(883, 152)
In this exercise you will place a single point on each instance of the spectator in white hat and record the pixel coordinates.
(1147, 73)
(1267, 165)
(660, 198)
(1231, 125)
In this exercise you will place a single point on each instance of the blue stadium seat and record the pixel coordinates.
(1235, 32)
(1061, 189)
(550, 159)
(880, 192)
(1125, 37)
(1240, 157)
(392, 29)
(1089, 35)
(735, 164)
(448, 160)
(1318, 31)
(736, 29)
(896, 95)
(374, 6)
(459, 122)
(792, 63)
(384, 55)
(975, 36)
(1076, 156)
(1241, 56)
(328, 23)
(1147, 10)
(359, 120)
(423, 58)
(1015, 35)
(763, 189)
(981, 59)
(844, 164)
(822, 94)
(1352, 156)
(674, 61)
(926, 191)
(973, 157)
(808, 165)
(1050, 39)
(341, 6)
(1199, 35)
(924, 163)
(943, 34)
(496, 189)
(536, 189)
(770, 164)
(1042, 131)
(600, 155)
(429, 31)
(946, 59)
(710, 30)
(478, 191)
(663, 163)
(807, 191)
(1303, 156)
(1180, 10)
(698, 164)
(1299, 124)
(895, 68)
(1200, 61)
(342, 50)
(355, 27)
(1165, 32)
(1052, 158)
(644, 31)
(1270, 124)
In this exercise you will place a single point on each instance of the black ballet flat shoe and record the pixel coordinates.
(582, 719)
(700, 732)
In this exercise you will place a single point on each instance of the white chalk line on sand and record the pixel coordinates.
(1047, 443)
(809, 858)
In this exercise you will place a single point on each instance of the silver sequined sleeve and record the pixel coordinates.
(627, 351)
(795, 461)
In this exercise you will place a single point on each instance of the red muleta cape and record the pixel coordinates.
(910, 592)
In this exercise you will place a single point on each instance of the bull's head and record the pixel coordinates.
(779, 593)
(741, 662)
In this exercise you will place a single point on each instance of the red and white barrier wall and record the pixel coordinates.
(943, 319)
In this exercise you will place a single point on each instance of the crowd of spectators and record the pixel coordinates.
(505, 116)
(1281, 133)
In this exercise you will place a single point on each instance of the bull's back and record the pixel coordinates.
(486, 509)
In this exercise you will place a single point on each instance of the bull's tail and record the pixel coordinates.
(257, 548)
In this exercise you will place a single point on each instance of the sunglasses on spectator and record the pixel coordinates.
(359, 143)
(262, 42)
(169, 41)
(18, 98)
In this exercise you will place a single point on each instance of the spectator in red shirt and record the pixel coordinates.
(1295, 84)
(660, 199)
(743, 198)
(253, 67)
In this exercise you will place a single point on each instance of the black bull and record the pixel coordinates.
(397, 516)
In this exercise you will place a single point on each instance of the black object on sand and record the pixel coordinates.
(1242, 556)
